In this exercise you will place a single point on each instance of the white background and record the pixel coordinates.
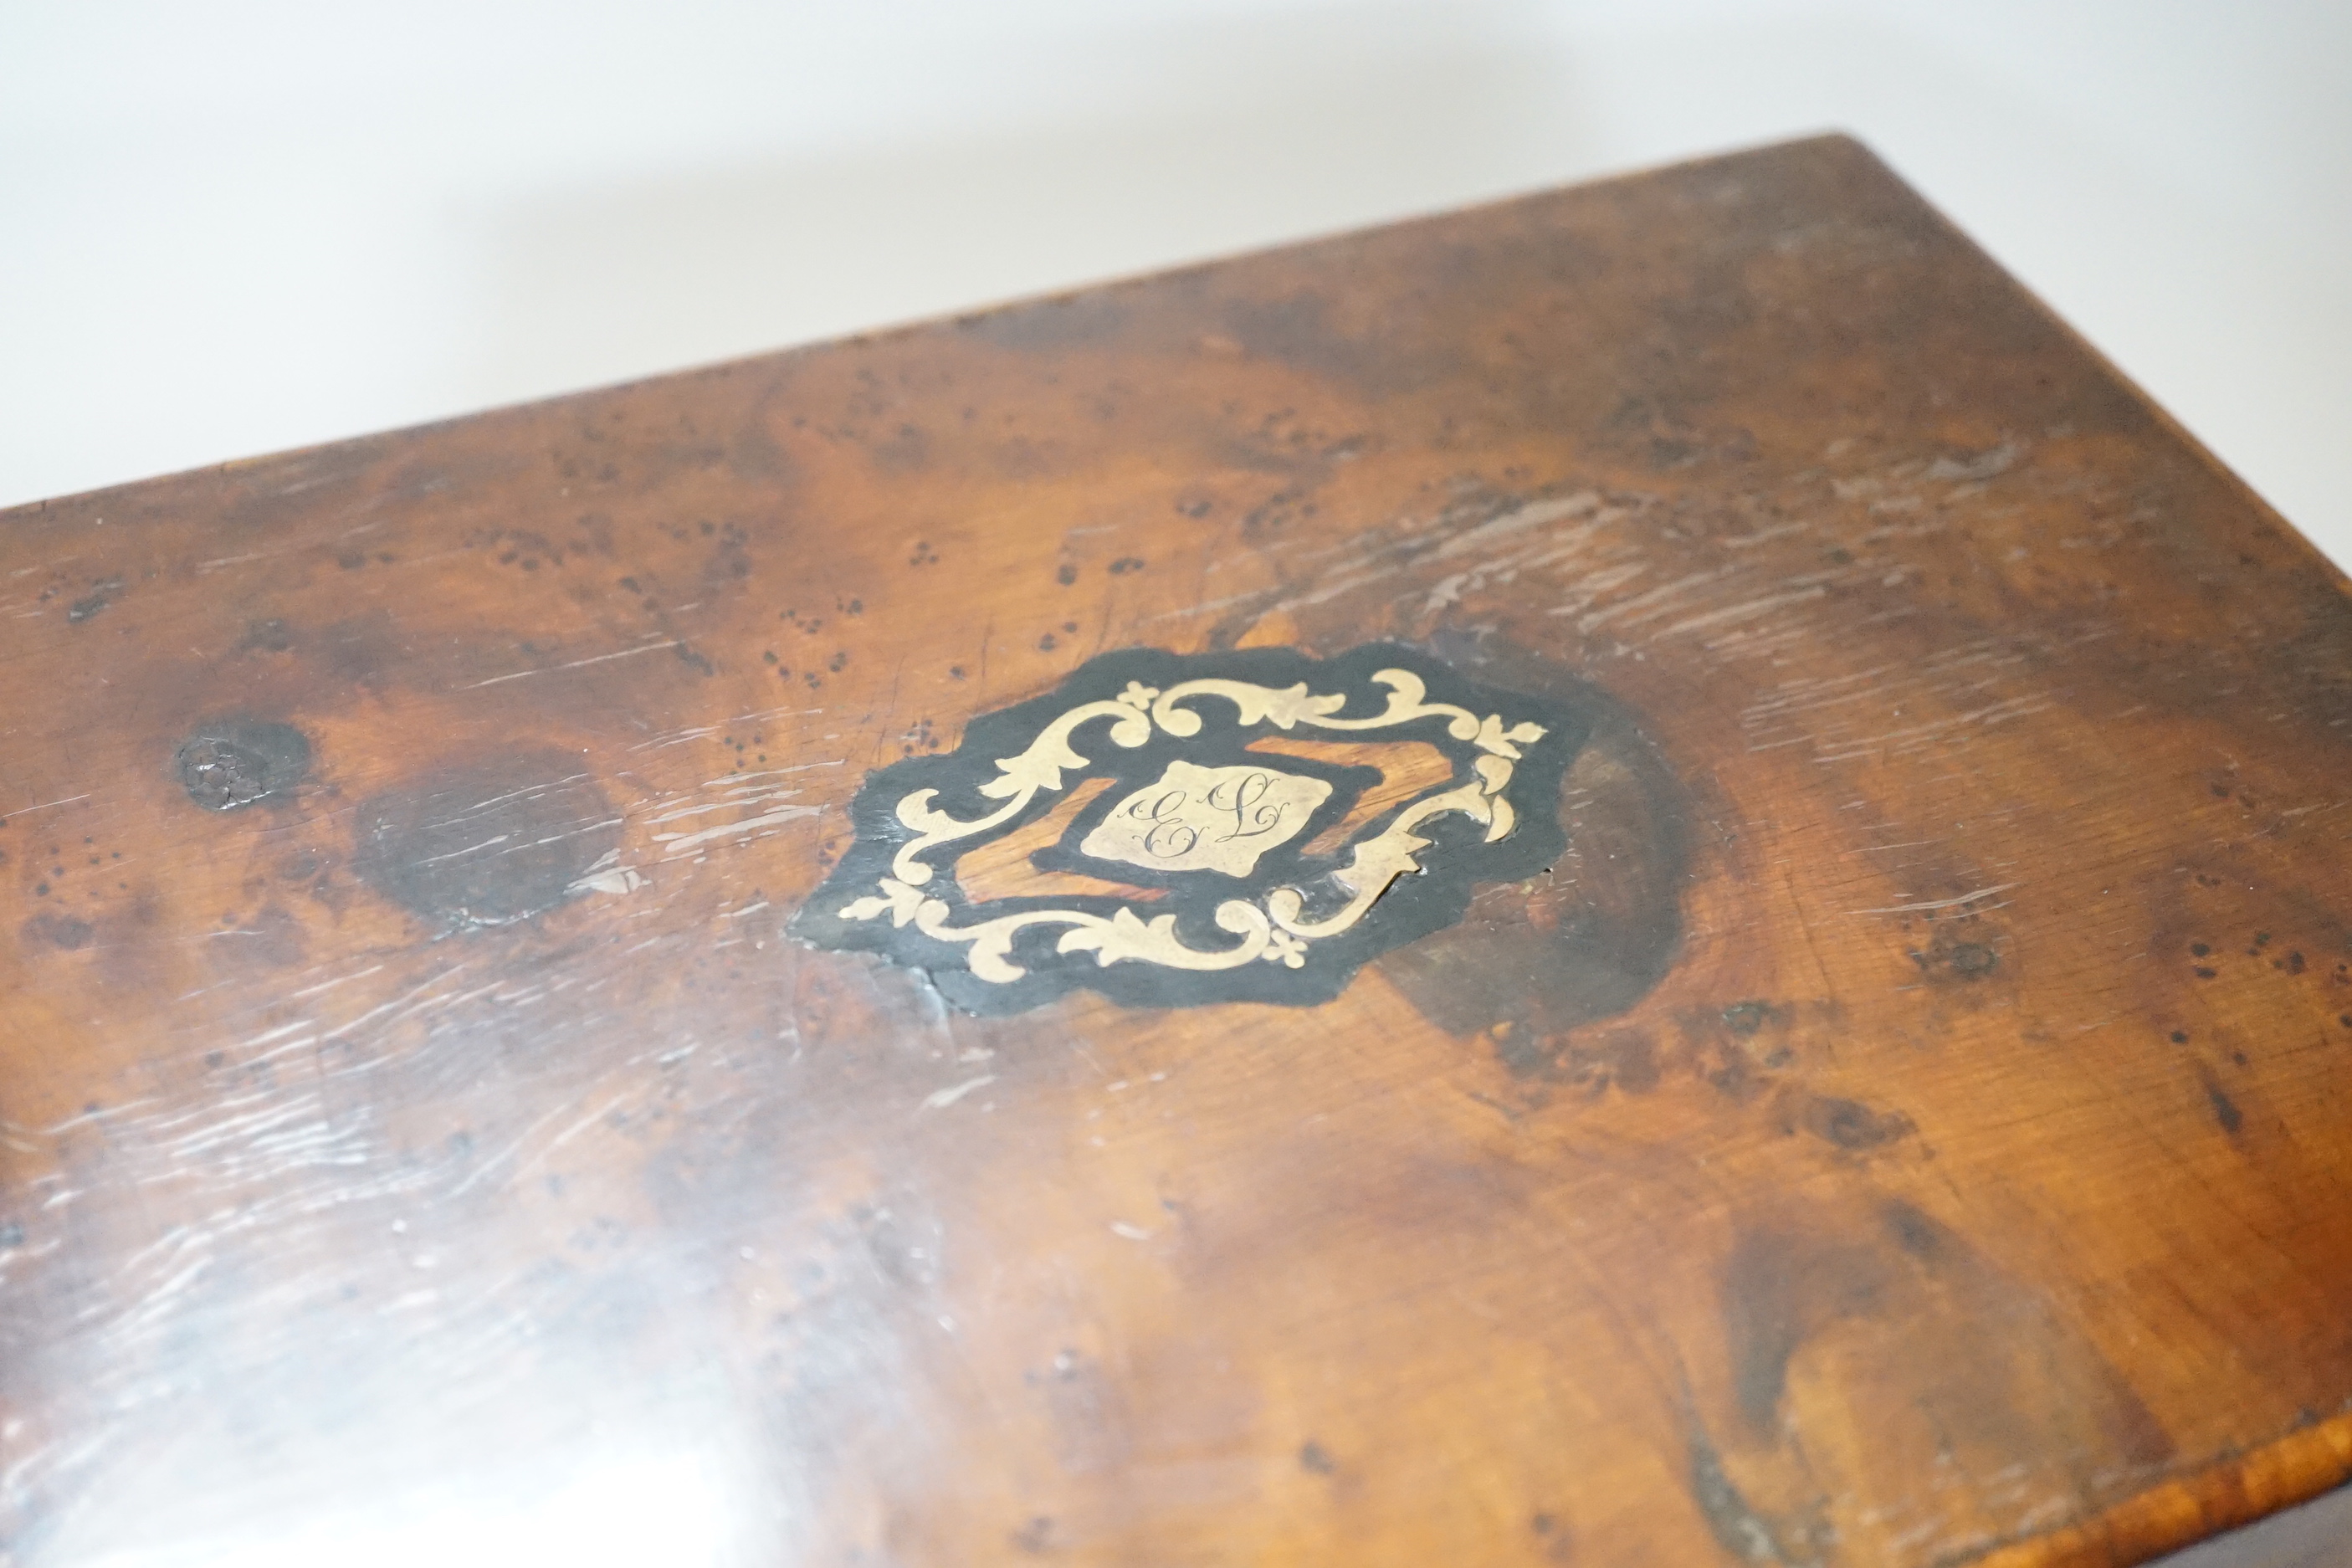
(228, 227)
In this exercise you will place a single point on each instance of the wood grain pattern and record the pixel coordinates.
(1908, 1127)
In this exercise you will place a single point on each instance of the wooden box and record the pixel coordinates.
(1640, 877)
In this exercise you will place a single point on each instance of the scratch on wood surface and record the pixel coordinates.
(21, 810)
(677, 844)
(944, 1097)
(577, 663)
(1925, 904)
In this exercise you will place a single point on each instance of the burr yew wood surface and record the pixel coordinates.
(1907, 1124)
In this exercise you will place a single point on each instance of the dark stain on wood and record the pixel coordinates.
(1985, 1373)
(1534, 961)
(269, 634)
(64, 932)
(100, 595)
(2226, 1114)
(1847, 1123)
(225, 763)
(1780, 1291)
(486, 843)
(1735, 1523)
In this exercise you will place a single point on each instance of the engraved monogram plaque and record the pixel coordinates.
(1172, 830)
(1195, 818)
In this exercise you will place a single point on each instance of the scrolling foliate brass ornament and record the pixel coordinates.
(1248, 827)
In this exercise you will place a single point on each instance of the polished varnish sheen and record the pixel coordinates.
(1903, 1119)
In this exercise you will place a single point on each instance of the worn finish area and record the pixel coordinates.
(1904, 1121)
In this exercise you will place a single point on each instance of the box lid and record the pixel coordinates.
(1643, 875)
